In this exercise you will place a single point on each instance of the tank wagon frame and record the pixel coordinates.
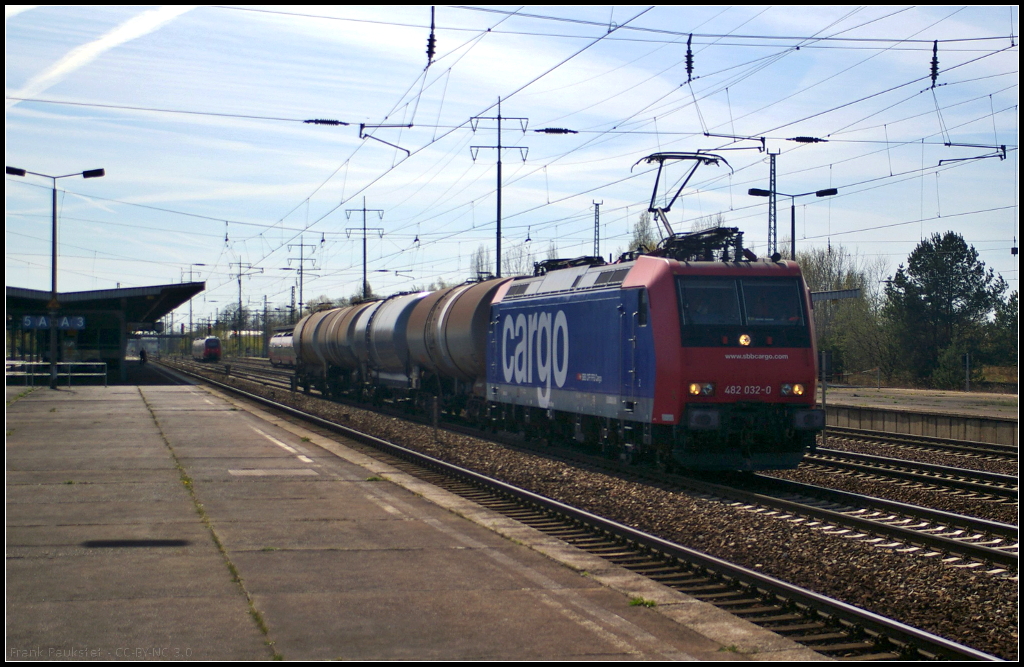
(280, 349)
(692, 361)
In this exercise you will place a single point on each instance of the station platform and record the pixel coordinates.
(959, 403)
(170, 521)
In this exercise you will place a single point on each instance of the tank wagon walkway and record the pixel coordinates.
(172, 522)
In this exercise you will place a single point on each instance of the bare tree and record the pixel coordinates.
(517, 260)
(481, 263)
(359, 298)
(645, 236)
(322, 302)
(708, 222)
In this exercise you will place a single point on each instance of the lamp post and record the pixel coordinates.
(54, 306)
(190, 334)
(757, 192)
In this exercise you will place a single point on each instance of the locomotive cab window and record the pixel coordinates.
(772, 303)
(709, 301)
(765, 311)
(641, 308)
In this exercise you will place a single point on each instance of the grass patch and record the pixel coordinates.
(305, 439)
(21, 395)
(642, 602)
(376, 478)
(731, 648)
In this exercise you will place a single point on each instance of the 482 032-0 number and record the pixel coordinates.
(748, 390)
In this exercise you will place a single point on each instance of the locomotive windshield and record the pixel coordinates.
(714, 310)
(772, 302)
(709, 301)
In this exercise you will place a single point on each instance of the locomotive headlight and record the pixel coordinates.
(702, 389)
(744, 339)
(793, 390)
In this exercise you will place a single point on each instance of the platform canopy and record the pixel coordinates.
(93, 326)
(142, 307)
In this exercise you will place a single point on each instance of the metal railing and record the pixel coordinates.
(30, 370)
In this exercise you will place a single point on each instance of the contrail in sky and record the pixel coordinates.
(14, 10)
(135, 27)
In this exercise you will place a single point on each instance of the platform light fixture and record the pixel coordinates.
(758, 192)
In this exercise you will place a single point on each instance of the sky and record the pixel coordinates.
(197, 114)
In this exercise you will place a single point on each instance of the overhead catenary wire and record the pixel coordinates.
(416, 217)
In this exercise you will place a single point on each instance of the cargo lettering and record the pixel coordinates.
(530, 345)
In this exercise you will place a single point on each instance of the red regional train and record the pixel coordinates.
(206, 349)
(697, 355)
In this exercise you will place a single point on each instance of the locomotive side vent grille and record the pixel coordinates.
(616, 276)
(516, 290)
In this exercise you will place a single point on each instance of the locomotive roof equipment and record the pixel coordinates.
(698, 159)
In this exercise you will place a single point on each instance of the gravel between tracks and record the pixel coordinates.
(974, 609)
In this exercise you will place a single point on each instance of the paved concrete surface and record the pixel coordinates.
(174, 522)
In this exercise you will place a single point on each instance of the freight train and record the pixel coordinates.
(697, 355)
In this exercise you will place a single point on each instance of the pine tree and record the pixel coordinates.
(942, 299)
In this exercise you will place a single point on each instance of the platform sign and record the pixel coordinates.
(64, 322)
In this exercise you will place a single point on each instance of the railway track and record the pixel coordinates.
(957, 540)
(988, 485)
(828, 626)
(985, 450)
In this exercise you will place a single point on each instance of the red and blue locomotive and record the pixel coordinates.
(696, 355)
(701, 363)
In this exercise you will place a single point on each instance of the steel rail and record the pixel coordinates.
(997, 478)
(898, 469)
(949, 444)
(950, 519)
(908, 636)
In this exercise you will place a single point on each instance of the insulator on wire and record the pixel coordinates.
(935, 62)
(431, 41)
(689, 59)
(324, 121)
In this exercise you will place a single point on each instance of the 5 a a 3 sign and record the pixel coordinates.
(64, 322)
